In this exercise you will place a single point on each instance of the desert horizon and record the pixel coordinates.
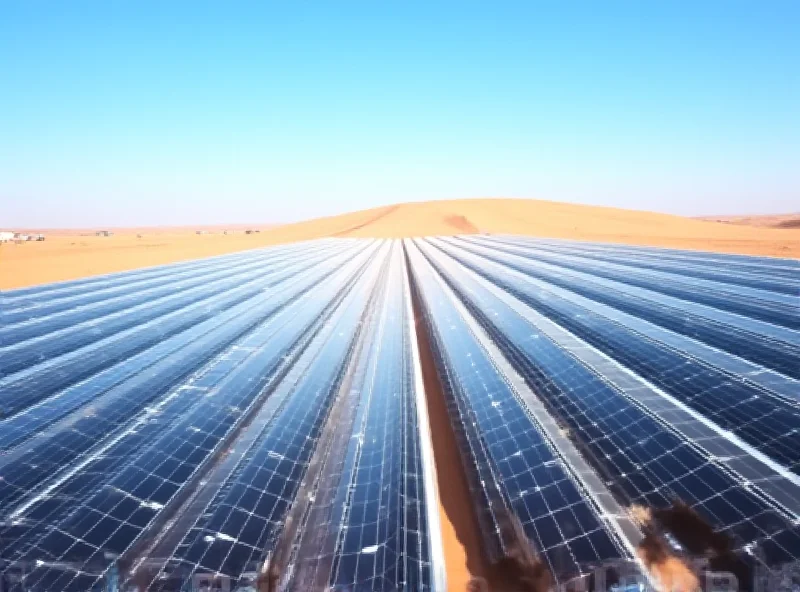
(75, 253)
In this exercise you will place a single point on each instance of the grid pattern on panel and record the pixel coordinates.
(534, 483)
(727, 266)
(755, 375)
(383, 540)
(763, 273)
(35, 296)
(171, 335)
(304, 552)
(74, 439)
(758, 304)
(769, 423)
(243, 519)
(68, 357)
(100, 314)
(159, 453)
(645, 463)
(712, 441)
(763, 343)
(172, 353)
(132, 496)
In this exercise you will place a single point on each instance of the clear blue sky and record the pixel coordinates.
(129, 113)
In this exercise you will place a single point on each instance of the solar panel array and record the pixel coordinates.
(262, 417)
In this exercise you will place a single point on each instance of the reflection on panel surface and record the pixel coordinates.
(261, 416)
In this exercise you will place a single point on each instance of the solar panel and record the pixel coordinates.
(767, 306)
(367, 526)
(90, 328)
(641, 455)
(236, 528)
(514, 469)
(93, 313)
(759, 272)
(41, 316)
(48, 375)
(755, 414)
(263, 415)
(185, 350)
(771, 346)
(746, 263)
(162, 450)
(36, 295)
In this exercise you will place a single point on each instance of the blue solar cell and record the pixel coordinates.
(30, 386)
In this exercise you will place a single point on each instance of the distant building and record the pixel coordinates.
(201, 232)
(104, 233)
(21, 236)
(6, 236)
(40, 237)
(252, 231)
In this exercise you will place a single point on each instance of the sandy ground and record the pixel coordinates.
(73, 254)
(65, 257)
(463, 553)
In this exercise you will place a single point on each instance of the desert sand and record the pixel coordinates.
(70, 254)
(461, 539)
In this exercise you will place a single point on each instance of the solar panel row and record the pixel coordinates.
(764, 273)
(367, 518)
(640, 455)
(36, 295)
(769, 345)
(517, 474)
(774, 308)
(765, 421)
(262, 416)
(26, 323)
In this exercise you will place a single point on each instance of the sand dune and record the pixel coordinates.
(73, 254)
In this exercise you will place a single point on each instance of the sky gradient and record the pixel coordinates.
(144, 113)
